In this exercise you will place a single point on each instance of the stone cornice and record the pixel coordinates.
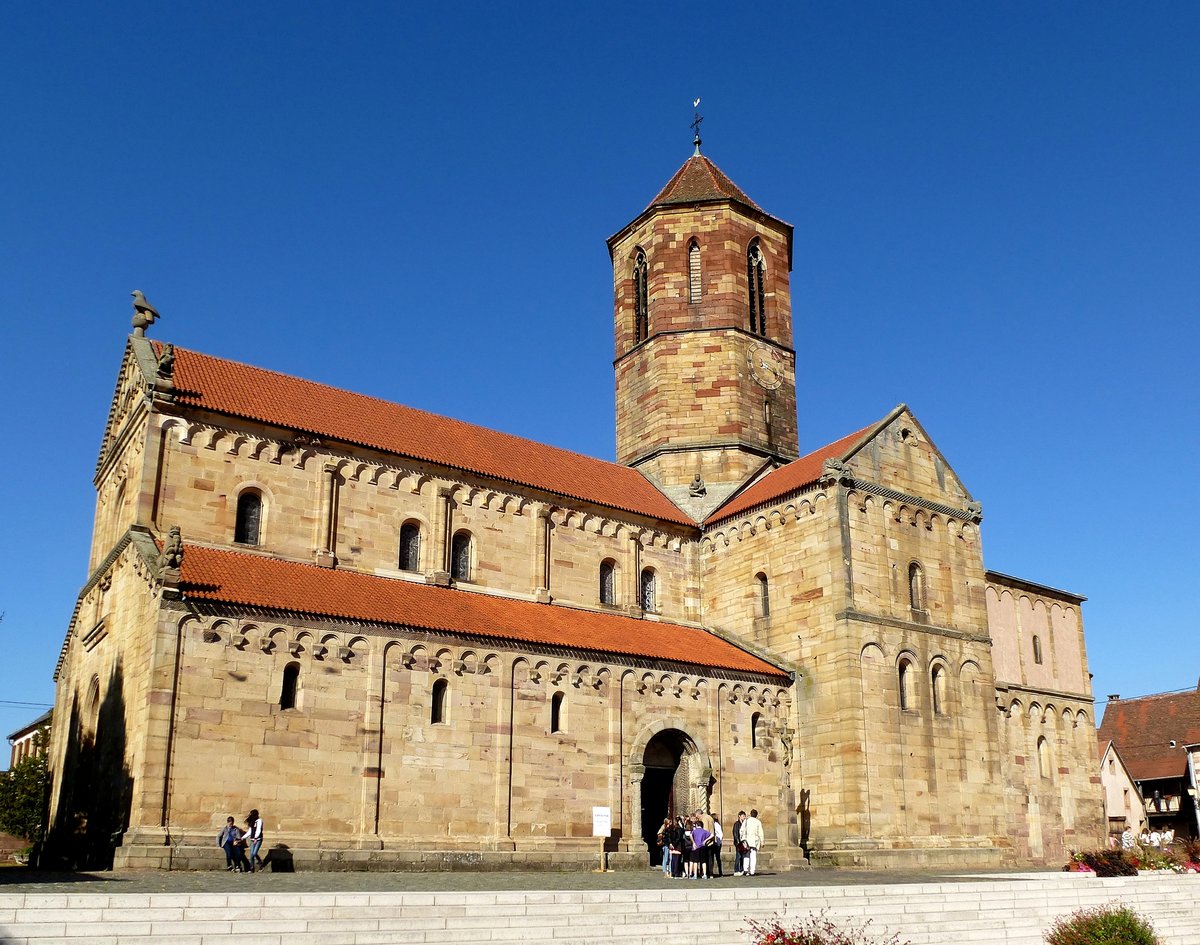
(874, 488)
(710, 330)
(930, 629)
(1045, 693)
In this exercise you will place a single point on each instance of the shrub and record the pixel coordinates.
(1105, 862)
(813, 930)
(1103, 925)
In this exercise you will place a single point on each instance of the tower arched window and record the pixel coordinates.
(641, 298)
(437, 704)
(937, 685)
(764, 594)
(247, 528)
(905, 681)
(916, 587)
(1037, 649)
(410, 547)
(649, 590)
(556, 712)
(460, 556)
(756, 280)
(694, 285)
(290, 688)
(608, 581)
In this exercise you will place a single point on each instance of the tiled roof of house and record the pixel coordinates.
(228, 387)
(698, 180)
(1143, 728)
(795, 475)
(250, 580)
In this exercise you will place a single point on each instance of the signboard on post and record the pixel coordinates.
(601, 821)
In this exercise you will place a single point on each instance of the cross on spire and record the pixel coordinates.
(696, 125)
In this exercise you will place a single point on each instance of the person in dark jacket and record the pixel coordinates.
(739, 845)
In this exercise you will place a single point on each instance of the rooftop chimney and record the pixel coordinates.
(1114, 697)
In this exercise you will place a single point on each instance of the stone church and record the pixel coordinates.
(412, 642)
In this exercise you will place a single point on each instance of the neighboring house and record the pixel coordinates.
(1123, 803)
(24, 741)
(1157, 737)
(411, 641)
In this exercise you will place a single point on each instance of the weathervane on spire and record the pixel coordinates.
(696, 126)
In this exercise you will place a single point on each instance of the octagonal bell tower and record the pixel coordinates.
(702, 316)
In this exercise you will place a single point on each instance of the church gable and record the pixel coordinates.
(132, 383)
(899, 456)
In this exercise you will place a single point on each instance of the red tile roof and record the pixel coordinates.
(795, 475)
(698, 180)
(1143, 728)
(240, 390)
(235, 577)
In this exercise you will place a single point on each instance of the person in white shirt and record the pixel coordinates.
(752, 834)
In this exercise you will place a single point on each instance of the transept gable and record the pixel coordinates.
(899, 457)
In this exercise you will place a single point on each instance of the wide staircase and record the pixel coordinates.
(1011, 909)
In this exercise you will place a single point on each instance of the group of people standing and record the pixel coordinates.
(691, 846)
(241, 845)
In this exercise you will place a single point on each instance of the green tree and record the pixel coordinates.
(23, 795)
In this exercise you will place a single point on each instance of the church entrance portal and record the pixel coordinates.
(667, 785)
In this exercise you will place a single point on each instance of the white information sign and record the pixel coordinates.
(601, 821)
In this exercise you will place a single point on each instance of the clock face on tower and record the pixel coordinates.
(766, 366)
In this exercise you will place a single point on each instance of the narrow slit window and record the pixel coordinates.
(437, 706)
(1043, 752)
(556, 712)
(694, 273)
(460, 557)
(410, 547)
(764, 595)
(649, 590)
(608, 582)
(938, 688)
(755, 729)
(249, 518)
(916, 586)
(1037, 649)
(905, 681)
(291, 686)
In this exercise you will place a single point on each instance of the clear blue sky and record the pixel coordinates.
(997, 212)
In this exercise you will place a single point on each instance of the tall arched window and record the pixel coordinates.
(916, 586)
(756, 729)
(556, 712)
(460, 556)
(437, 705)
(937, 685)
(291, 686)
(249, 518)
(649, 590)
(1043, 750)
(905, 679)
(764, 595)
(756, 279)
(608, 582)
(1037, 649)
(694, 287)
(410, 547)
(641, 298)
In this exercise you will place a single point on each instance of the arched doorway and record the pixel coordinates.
(675, 781)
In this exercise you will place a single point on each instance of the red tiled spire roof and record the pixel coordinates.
(253, 393)
(249, 580)
(796, 474)
(1143, 728)
(698, 180)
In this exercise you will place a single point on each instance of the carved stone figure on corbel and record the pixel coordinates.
(975, 511)
(835, 470)
(169, 561)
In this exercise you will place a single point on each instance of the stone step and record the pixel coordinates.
(1000, 911)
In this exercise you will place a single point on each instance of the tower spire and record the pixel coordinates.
(696, 126)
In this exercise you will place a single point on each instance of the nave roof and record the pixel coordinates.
(253, 393)
(250, 580)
